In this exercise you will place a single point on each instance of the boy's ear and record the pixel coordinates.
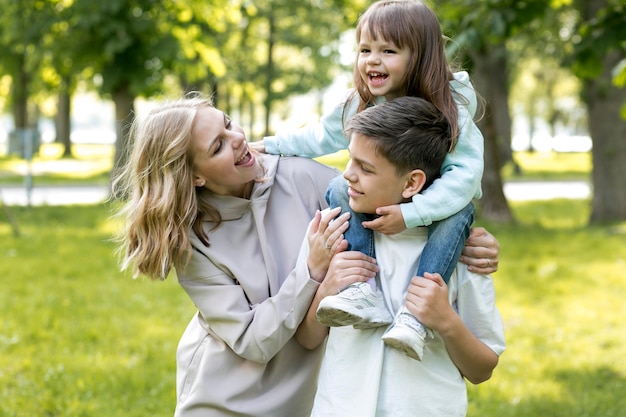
(415, 181)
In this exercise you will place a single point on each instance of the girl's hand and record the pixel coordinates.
(258, 146)
(325, 238)
(481, 252)
(390, 221)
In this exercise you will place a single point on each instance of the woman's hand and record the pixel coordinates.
(325, 238)
(481, 252)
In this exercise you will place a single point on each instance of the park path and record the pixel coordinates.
(13, 195)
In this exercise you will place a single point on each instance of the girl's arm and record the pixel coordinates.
(314, 139)
(459, 183)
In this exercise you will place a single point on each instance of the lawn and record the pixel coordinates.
(78, 338)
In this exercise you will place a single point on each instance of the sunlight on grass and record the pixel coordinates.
(550, 165)
(560, 291)
(337, 159)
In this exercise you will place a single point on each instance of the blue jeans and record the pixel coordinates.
(446, 238)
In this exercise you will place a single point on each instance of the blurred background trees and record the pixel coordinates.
(559, 65)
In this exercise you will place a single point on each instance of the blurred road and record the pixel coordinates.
(12, 195)
(60, 195)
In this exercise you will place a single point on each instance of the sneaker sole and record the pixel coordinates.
(402, 347)
(336, 318)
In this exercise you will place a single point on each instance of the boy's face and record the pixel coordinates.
(372, 180)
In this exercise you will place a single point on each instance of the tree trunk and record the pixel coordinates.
(608, 132)
(124, 101)
(269, 73)
(19, 91)
(499, 98)
(489, 77)
(63, 121)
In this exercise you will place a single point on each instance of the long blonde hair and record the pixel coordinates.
(411, 24)
(163, 206)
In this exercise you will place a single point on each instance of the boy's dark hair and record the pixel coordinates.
(410, 132)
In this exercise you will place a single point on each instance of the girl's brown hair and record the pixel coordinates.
(411, 24)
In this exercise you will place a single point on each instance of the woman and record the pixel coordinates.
(231, 223)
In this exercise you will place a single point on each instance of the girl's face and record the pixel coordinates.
(222, 160)
(382, 65)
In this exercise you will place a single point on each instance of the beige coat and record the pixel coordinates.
(237, 356)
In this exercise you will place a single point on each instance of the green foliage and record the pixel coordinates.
(78, 338)
(597, 36)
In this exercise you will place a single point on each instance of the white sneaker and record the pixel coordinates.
(358, 305)
(407, 334)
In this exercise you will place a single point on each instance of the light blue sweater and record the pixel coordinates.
(461, 171)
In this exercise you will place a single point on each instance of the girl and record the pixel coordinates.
(401, 52)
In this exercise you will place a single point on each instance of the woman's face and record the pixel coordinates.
(222, 160)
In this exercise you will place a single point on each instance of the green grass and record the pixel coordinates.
(561, 292)
(78, 338)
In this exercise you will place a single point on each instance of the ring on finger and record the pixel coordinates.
(327, 246)
(488, 263)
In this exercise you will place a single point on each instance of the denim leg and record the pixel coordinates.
(359, 238)
(446, 239)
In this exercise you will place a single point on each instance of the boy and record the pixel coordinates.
(396, 150)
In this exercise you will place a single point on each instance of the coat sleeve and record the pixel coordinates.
(258, 330)
(254, 332)
(314, 139)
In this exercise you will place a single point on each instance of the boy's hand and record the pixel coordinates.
(390, 221)
(427, 299)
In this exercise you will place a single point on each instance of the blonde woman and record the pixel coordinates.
(231, 223)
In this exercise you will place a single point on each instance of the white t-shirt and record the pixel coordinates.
(362, 377)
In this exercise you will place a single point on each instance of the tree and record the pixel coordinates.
(481, 32)
(23, 23)
(132, 45)
(599, 59)
(283, 48)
